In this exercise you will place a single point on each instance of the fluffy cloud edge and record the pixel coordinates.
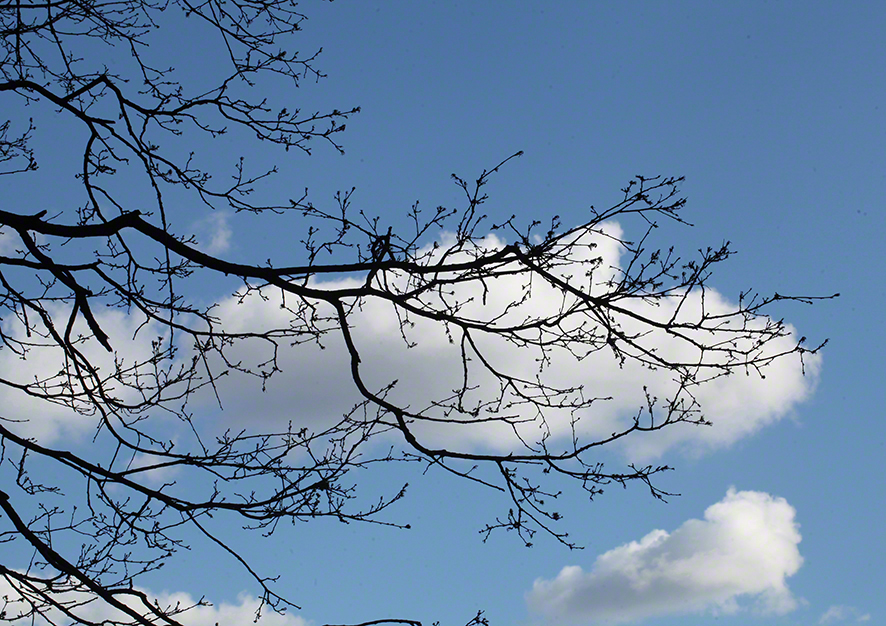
(242, 611)
(745, 547)
(739, 405)
(216, 233)
(841, 613)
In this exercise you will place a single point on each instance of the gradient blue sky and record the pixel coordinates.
(775, 113)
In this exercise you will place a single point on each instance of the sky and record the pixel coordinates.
(776, 116)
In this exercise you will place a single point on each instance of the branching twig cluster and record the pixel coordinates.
(63, 268)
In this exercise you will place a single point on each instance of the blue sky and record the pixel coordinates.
(775, 113)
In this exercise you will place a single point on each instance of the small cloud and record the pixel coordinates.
(842, 613)
(745, 546)
(214, 233)
(156, 476)
(243, 611)
(8, 242)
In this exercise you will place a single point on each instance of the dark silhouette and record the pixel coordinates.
(115, 248)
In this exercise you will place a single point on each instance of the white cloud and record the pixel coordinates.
(243, 611)
(842, 613)
(48, 422)
(8, 242)
(315, 383)
(315, 386)
(745, 546)
(154, 476)
(214, 232)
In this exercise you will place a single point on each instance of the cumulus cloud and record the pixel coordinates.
(314, 385)
(315, 382)
(746, 545)
(41, 365)
(243, 611)
(842, 613)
